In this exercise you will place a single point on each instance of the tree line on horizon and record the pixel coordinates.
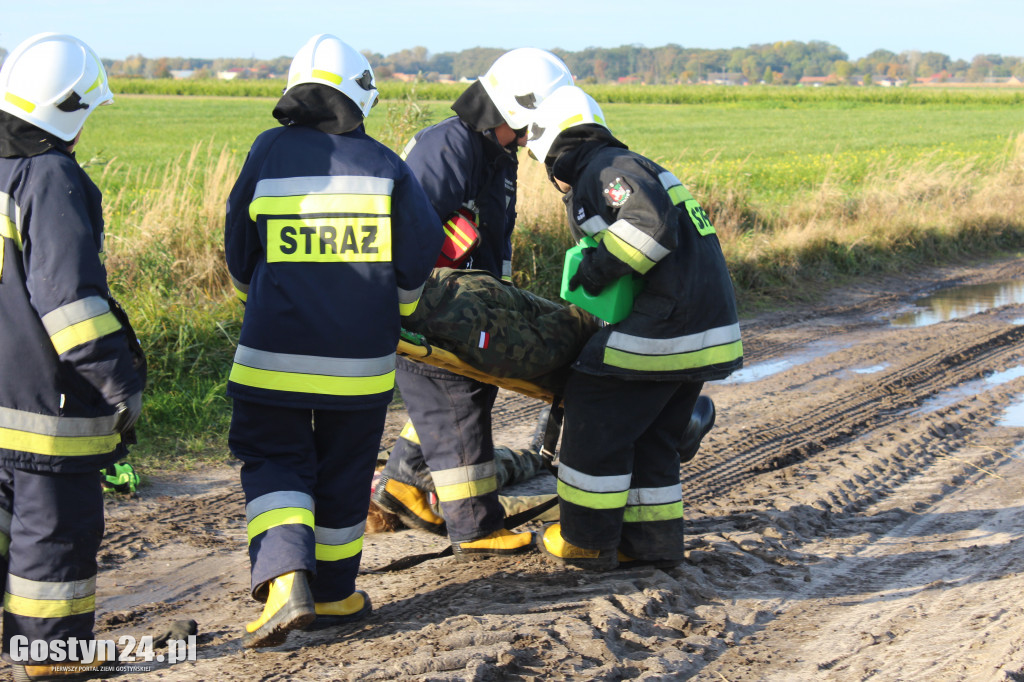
(783, 62)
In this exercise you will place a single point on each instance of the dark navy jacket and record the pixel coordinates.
(329, 239)
(458, 167)
(64, 357)
(683, 325)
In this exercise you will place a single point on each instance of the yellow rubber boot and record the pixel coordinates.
(561, 550)
(408, 503)
(355, 606)
(289, 607)
(499, 543)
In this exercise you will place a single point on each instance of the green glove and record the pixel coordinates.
(121, 478)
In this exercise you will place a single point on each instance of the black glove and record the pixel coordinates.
(128, 412)
(179, 629)
(583, 278)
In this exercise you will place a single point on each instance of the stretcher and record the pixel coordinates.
(416, 347)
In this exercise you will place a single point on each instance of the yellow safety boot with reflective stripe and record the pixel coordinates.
(355, 606)
(69, 670)
(561, 550)
(409, 504)
(499, 543)
(289, 607)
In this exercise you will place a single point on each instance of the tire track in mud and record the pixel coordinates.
(876, 402)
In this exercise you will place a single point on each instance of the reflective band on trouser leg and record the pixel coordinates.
(37, 599)
(335, 544)
(591, 507)
(312, 374)
(463, 483)
(276, 509)
(654, 504)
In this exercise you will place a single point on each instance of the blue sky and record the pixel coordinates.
(265, 29)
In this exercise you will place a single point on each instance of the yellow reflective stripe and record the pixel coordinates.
(57, 446)
(327, 76)
(626, 253)
(279, 517)
(409, 433)
(241, 289)
(467, 489)
(339, 552)
(8, 228)
(406, 309)
(20, 102)
(48, 608)
(96, 83)
(591, 500)
(311, 383)
(570, 121)
(675, 361)
(679, 194)
(310, 204)
(456, 234)
(83, 332)
(653, 512)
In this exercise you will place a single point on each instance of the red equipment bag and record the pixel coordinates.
(461, 237)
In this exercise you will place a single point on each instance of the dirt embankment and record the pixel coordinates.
(855, 514)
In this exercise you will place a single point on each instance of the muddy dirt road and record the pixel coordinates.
(857, 513)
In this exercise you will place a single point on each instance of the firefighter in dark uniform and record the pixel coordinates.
(467, 162)
(70, 382)
(329, 239)
(633, 388)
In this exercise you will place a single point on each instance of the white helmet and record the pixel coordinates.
(54, 82)
(330, 61)
(566, 107)
(518, 81)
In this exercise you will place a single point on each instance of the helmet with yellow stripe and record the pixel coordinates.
(54, 82)
(328, 60)
(519, 80)
(565, 108)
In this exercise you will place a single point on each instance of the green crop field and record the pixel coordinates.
(772, 152)
(805, 188)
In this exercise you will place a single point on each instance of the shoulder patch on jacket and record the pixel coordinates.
(617, 192)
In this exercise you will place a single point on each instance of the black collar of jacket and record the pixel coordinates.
(320, 107)
(20, 138)
(573, 148)
(476, 109)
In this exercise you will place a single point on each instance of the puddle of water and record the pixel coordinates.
(1014, 415)
(764, 369)
(873, 369)
(956, 393)
(758, 371)
(957, 302)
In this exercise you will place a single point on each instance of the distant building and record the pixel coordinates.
(181, 74)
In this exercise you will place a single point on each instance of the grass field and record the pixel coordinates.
(804, 189)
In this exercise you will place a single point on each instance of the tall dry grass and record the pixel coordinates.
(900, 215)
(166, 260)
